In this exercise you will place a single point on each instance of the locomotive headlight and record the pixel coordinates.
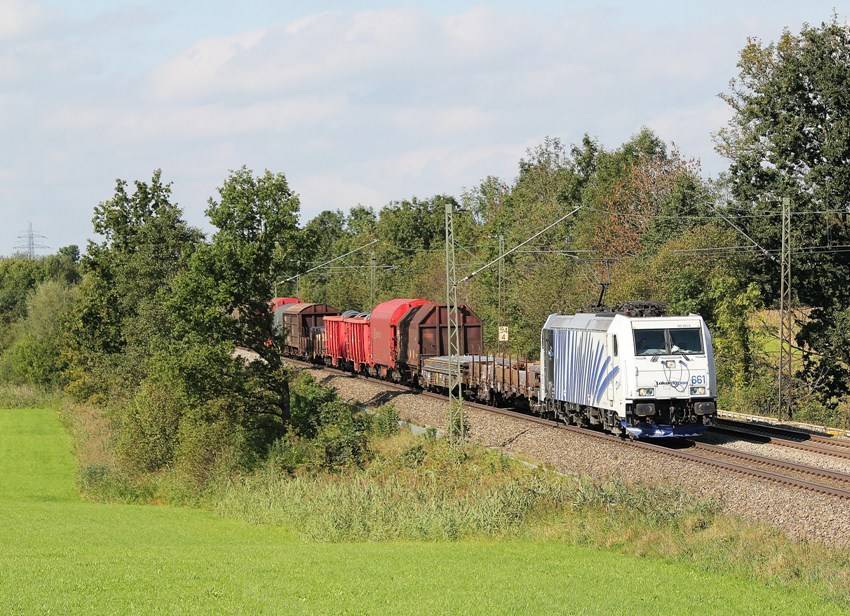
(646, 391)
(697, 391)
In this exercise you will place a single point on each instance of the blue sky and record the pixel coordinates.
(355, 102)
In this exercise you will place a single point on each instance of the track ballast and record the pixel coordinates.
(783, 472)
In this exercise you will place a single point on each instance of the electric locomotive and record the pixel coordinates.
(639, 376)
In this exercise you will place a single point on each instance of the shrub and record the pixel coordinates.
(413, 456)
(338, 431)
(457, 423)
(385, 421)
(835, 412)
(101, 482)
(342, 437)
(149, 426)
(307, 397)
(289, 453)
(210, 443)
(759, 398)
(30, 359)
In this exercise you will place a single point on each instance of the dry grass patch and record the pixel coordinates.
(28, 397)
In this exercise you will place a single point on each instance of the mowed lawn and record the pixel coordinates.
(63, 555)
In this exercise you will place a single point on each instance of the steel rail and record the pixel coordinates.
(786, 465)
(689, 455)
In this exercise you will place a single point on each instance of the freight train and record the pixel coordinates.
(631, 371)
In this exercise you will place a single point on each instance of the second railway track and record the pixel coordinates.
(791, 474)
(825, 445)
(821, 476)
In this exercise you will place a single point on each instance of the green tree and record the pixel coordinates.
(220, 409)
(19, 276)
(34, 356)
(145, 242)
(361, 221)
(222, 296)
(790, 137)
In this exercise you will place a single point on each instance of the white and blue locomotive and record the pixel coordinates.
(638, 376)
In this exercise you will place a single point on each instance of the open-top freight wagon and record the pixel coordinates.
(335, 346)
(277, 302)
(494, 379)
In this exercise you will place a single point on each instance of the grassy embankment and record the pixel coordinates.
(63, 554)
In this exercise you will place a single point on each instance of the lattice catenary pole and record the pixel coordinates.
(372, 267)
(501, 277)
(786, 320)
(456, 424)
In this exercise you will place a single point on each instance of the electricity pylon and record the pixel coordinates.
(31, 242)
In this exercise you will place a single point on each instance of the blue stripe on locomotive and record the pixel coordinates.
(582, 368)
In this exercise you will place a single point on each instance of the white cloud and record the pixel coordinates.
(17, 18)
(327, 191)
(203, 64)
(443, 120)
(289, 56)
(344, 49)
(472, 62)
(195, 122)
(457, 164)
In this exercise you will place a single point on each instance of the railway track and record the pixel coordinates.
(792, 474)
(838, 480)
(815, 443)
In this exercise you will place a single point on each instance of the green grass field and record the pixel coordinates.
(64, 555)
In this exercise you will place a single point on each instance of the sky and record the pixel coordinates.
(356, 102)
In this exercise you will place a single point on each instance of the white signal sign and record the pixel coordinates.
(503, 333)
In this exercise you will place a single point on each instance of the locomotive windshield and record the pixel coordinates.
(668, 341)
(650, 342)
(685, 341)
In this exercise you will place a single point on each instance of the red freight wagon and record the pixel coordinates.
(384, 325)
(335, 340)
(424, 333)
(358, 341)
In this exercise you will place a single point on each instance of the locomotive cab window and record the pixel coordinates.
(650, 342)
(614, 349)
(688, 341)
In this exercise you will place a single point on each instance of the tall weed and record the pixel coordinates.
(360, 508)
(28, 397)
